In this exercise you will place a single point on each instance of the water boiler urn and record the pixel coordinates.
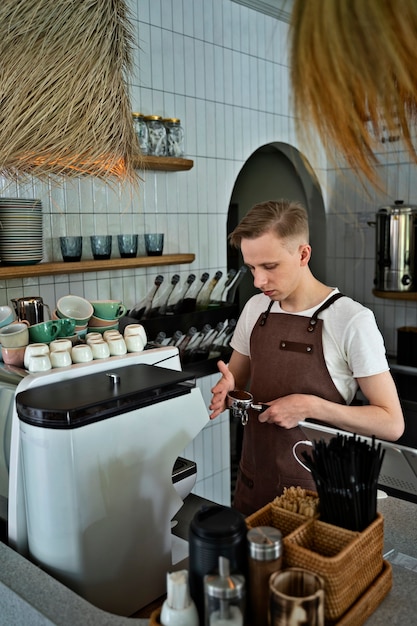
(396, 262)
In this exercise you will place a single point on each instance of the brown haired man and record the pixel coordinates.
(304, 349)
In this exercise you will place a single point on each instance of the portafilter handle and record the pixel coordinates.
(240, 402)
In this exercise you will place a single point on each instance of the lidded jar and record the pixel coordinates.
(175, 137)
(141, 130)
(224, 595)
(265, 558)
(157, 135)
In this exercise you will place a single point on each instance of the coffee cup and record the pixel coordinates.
(98, 322)
(34, 349)
(44, 332)
(60, 344)
(134, 343)
(13, 356)
(76, 308)
(108, 309)
(100, 349)
(117, 346)
(60, 358)
(39, 363)
(15, 335)
(81, 353)
(6, 315)
(135, 329)
(92, 336)
(115, 334)
(67, 327)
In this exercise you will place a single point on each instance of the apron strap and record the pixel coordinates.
(325, 305)
(313, 319)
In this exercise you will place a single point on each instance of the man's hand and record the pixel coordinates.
(220, 390)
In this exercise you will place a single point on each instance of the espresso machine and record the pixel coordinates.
(90, 489)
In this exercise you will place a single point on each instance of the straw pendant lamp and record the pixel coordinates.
(353, 74)
(64, 101)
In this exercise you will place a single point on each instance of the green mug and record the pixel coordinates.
(44, 332)
(67, 327)
(109, 309)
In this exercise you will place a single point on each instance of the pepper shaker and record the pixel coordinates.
(224, 597)
(265, 558)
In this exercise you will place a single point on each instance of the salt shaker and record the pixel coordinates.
(265, 558)
(224, 597)
(178, 609)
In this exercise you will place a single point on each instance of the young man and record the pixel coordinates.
(304, 349)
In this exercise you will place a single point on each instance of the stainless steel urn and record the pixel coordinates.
(396, 240)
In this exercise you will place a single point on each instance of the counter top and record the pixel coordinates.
(30, 596)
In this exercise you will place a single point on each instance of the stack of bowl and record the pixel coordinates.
(75, 308)
(106, 315)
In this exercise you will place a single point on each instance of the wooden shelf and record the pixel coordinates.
(49, 269)
(396, 295)
(166, 164)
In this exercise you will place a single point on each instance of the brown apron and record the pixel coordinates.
(286, 357)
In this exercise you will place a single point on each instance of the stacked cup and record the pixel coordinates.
(106, 315)
(75, 308)
(14, 338)
(135, 337)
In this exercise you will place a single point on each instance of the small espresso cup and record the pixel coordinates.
(60, 358)
(128, 245)
(60, 344)
(34, 349)
(6, 315)
(39, 363)
(15, 335)
(117, 346)
(154, 244)
(100, 349)
(81, 353)
(44, 332)
(296, 596)
(134, 343)
(71, 248)
(101, 246)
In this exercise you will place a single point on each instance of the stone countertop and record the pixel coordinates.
(30, 596)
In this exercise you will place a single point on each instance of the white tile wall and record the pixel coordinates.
(223, 69)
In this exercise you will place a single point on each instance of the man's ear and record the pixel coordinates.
(305, 253)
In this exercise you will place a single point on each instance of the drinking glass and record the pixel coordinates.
(154, 244)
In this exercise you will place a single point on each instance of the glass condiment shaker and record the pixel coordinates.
(265, 558)
(157, 135)
(224, 597)
(175, 137)
(141, 130)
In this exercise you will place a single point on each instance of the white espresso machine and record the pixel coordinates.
(90, 491)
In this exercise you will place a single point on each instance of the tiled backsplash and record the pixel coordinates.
(223, 70)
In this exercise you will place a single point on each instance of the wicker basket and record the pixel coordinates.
(348, 561)
(272, 515)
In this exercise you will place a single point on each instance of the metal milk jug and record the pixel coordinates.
(30, 308)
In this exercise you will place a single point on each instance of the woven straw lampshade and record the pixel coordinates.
(353, 73)
(64, 102)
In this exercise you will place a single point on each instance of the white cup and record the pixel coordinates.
(15, 335)
(34, 349)
(60, 344)
(100, 349)
(134, 343)
(60, 358)
(117, 346)
(90, 336)
(81, 354)
(136, 329)
(115, 334)
(39, 363)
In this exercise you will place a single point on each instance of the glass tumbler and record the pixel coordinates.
(154, 244)
(101, 246)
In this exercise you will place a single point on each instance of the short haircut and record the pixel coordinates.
(285, 218)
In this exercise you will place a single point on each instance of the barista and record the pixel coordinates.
(304, 349)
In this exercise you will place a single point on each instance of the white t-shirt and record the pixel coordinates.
(353, 346)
